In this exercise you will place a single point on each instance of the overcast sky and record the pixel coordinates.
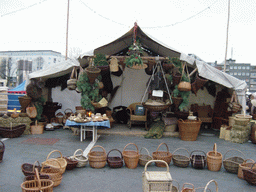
(190, 26)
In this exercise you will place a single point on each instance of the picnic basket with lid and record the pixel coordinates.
(162, 155)
(131, 157)
(97, 159)
(115, 161)
(214, 159)
(250, 174)
(144, 158)
(2, 149)
(180, 160)
(37, 184)
(231, 164)
(82, 160)
(198, 159)
(245, 165)
(53, 161)
(188, 187)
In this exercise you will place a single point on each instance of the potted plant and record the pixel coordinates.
(135, 60)
(180, 98)
(101, 62)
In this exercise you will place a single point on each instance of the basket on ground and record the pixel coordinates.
(231, 164)
(180, 160)
(115, 161)
(216, 184)
(82, 160)
(37, 128)
(198, 159)
(97, 159)
(214, 159)
(245, 165)
(71, 163)
(53, 163)
(12, 131)
(162, 155)
(131, 157)
(144, 158)
(156, 180)
(37, 185)
(250, 174)
(189, 129)
(29, 169)
(2, 148)
(188, 187)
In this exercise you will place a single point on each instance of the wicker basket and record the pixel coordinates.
(188, 187)
(71, 163)
(53, 163)
(231, 164)
(250, 174)
(37, 185)
(216, 184)
(180, 160)
(115, 161)
(60, 117)
(144, 158)
(32, 177)
(54, 173)
(2, 148)
(214, 159)
(12, 131)
(131, 157)
(198, 161)
(189, 129)
(37, 129)
(97, 159)
(157, 108)
(82, 160)
(162, 155)
(29, 169)
(244, 165)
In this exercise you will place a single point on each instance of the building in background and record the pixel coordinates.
(16, 65)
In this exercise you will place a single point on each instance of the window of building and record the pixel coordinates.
(243, 67)
(54, 60)
(243, 74)
(235, 67)
(239, 67)
(49, 58)
(235, 73)
(231, 73)
(239, 74)
(247, 80)
(248, 67)
(231, 67)
(253, 74)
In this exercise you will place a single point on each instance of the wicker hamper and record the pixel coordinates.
(97, 159)
(189, 129)
(53, 163)
(180, 160)
(214, 159)
(131, 157)
(115, 161)
(144, 158)
(245, 165)
(156, 180)
(2, 148)
(162, 155)
(250, 174)
(231, 164)
(198, 161)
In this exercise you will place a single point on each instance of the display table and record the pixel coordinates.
(89, 126)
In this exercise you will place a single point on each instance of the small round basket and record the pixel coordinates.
(250, 174)
(115, 161)
(131, 157)
(71, 163)
(82, 160)
(52, 162)
(214, 159)
(162, 155)
(198, 159)
(144, 158)
(245, 165)
(97, 159)
(180, 160)
(231, 164)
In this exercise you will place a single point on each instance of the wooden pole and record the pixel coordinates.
(67, 32)
(227, 38)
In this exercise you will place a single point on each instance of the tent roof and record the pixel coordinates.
(56, 70)
(20, 87)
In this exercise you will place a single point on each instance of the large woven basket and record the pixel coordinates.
(115, 161)
(180, 160)
(97, 159)
(162, 155)
(144, 158)
(2, 148)
(12, 131)
(37, 185)
(53, 163)
(250, 174)
(198, 159)
(82, 160)
(245, 165)
(131, 157)
(231, 164)
(214, 159)
(189, 129)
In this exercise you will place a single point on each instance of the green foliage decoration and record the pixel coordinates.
(133, 60)
(184, 95)
(100, 60)
(39, 107)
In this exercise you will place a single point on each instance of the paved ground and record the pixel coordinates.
(19, 151)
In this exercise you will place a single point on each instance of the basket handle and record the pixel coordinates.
(145, 149)
(245, 161)
(68, 109)
(252, 166)
(115, 150)
(197, 151)
(180, 149)
(34, 166)
(3, 145)
(77, 151)
(132, 144)
(215, 149)
(98, 146)
(37, 178)
(160, 161)
(53, 152)
(43, 164)
(181, 120)
(233, 150)
(177, 183)
(162, 144)
(189, 184)
(209, 183)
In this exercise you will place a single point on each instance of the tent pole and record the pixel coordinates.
(67, 32)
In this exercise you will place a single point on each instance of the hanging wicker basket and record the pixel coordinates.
(131, 157)
(56, 162)
(231, 164)
(92, 73)
(180, 160)
(214, 159)
(97, 159)
(115, 161)
(162, 155)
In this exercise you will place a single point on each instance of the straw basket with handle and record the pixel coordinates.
(162, 155)
(245, 165)
(206, 187)
(82, 160)
(188, 187)
(53, 161)
(97, 159)
(54, 173)
(250, 174)
(214, 159)
(231, 164)
(131, 157)
(37, 185)
(144, 158)
(115, 161)
(180, 160)
(29, 169)
(37, 129)
(198, 159)
(60, 117)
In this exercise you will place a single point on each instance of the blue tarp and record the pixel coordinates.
(20, 87)
(14, 94)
